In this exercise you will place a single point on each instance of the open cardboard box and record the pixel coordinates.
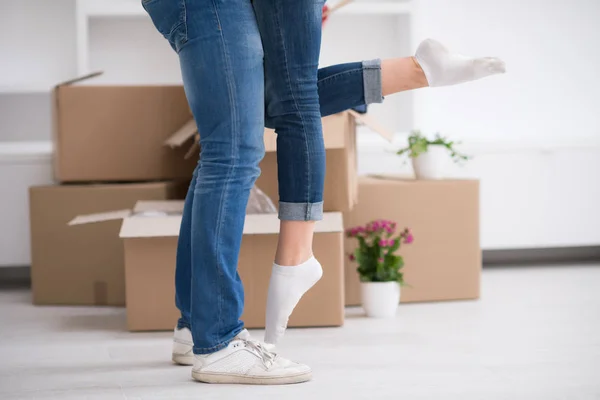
(150, 232)
(83, 265)
(339, 134)
(117, 133)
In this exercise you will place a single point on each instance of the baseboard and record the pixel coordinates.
(15, 277)
(541, 256)
(21, 277)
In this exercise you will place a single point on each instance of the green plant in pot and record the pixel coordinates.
(428, 156)
(379, 265)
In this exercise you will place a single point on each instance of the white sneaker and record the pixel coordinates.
(248, 362)
(183, 347)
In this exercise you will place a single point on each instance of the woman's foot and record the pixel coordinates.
(443, 68)
(286, 288)
(246, 361)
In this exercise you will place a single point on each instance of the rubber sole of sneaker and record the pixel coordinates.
(182, 359)
(207, 377)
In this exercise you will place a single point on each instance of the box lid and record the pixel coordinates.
(163, 219)
(142, 208)
(99, 217)
(160, 206)
(78, 79)
(182, 135)
(141, 226)
(373, 124)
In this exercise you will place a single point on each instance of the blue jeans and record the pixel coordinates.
(246, 65)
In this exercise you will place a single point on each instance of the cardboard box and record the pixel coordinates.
(339, 134)
(118, 133)
(82, 265)
(150, 242)
(444, 261)
(138, 133)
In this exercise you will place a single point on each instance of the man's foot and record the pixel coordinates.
(246, 361)
(443, 68)
(183, 347)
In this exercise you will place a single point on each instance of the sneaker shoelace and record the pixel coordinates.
(261, 350)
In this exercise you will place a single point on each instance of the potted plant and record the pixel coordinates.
(429, 156)
(379, 267)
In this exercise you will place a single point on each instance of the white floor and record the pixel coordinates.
(535, 334)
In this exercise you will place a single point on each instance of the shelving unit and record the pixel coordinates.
(126, 8)
(88, 10)
(99, 35)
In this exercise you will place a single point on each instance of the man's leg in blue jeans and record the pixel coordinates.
(221, 59)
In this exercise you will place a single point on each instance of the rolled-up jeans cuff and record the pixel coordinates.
(372, 81)
(300, 211)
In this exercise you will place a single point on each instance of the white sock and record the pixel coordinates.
(286, 288)
(443, 68)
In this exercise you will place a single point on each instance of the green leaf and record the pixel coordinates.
(395, 247)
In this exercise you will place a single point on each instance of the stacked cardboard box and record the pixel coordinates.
(444, 262)
(108, 154)
(107, 135)
(82, 265)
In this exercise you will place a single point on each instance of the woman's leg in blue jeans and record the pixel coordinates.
(291, 35)
(340, 87)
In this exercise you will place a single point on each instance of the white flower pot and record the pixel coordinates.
(380, 299)
(431, 164)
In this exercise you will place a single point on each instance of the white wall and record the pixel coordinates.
(552, 51)
(535, 132)
(348, 38)
(37, 41)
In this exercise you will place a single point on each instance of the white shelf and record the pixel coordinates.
(26, 88)
(127, 8)
(375, 8)
(11, 152)
(112, 8)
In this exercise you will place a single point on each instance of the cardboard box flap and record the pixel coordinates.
(183, 134)
(392, 177)
(80, 79)
(372, 124)
(100, 217)
(145, 226)
(261, 224)
(164, 206)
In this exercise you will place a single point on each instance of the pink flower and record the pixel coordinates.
(351, 257)
(380, 259)
(383, 243)
(360, 229)
(409, 238)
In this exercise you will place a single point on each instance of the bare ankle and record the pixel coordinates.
(419, 74)
(292, 258)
